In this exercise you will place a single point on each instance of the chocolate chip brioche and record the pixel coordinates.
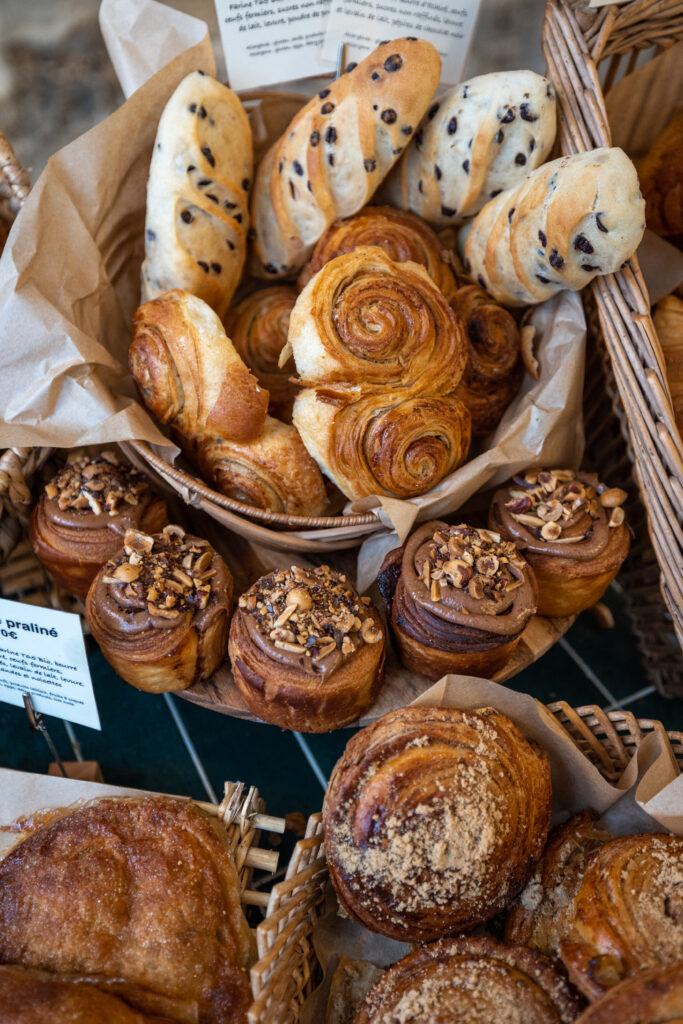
(197, 206)
(337, 150)
(569, 221)
(483, 136)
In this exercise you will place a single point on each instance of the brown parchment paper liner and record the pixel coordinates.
(647, 798)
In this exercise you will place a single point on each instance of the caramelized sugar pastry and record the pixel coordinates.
(307, 652)
(138, 896)
(570, 528)
(160, 610)
(471, 981)
(458, 599)
(654, 996)
(81, 517)
(434, 819)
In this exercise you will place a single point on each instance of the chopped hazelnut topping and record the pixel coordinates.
(548, 502)
(477, 561)
(98, 484)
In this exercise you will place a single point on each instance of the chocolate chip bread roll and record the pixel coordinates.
(337, 150)
(197, 194)
(483, 136)
(568, 222)
(570, 528)
(307, 652)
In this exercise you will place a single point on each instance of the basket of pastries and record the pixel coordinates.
(469, 865)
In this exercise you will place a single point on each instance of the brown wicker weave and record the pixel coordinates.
(288, 968)
(576, 40)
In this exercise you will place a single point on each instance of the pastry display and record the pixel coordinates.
(649, 997)
(337, 150)
(569, 221)
(307, 652)
(197, 194)
(483, 136)
(379, 353)
(82, 514)
(351, 983)
(433, 820)
(35, 997)
(661, 180)
(668, 321)
(493, 371)
(160, 610)
(137, 896)
(458, 599)
(258, 328)
(274, 472)
(467, 981)
(570, 528)
(401, 235)
(188, 371)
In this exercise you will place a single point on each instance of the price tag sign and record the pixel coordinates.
(364, 24)
(271, 41)
(42, 653)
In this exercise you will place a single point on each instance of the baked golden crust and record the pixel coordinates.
(668, 321)
(661, 180)
(322, 666)
(401, 235)
(434, 818)
(82, 514)
(493, 372)
(470, 981)
(628, 912)
(139, 896)
(649, 997)
(34, 997)
(160, 610)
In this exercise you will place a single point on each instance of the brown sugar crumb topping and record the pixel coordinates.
(311, 611)
(471, 559)
(169, 573)
(548, 500)
(101, 484)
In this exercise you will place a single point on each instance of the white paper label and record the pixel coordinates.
(270, 41)
(42, 653)
(363, 24)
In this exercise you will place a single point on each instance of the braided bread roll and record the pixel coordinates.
(199, 177)
(379, 352)
(568, 222)
(493, 372)
(401, 235)
(258, 328)
(650, 997)
(470, 981)
(628, 912)
(188, 372)
(483, 136)
(337, 150)
(434, 818)
(272, 472)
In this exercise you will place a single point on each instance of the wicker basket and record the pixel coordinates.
(577, 40)
(288, 968)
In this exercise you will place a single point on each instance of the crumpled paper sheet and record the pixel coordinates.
(647, 798)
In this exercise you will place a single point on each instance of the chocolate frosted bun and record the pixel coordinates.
(81, 517)
(433, 820)
(160, 610)
(307, 652)
(572, 531)
(458, 598)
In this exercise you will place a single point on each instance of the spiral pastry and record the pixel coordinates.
(83, 513)
(572, 531)
(458, 599)
(402, 236)
(628, 912)
(650, 997)
(470, 981)
(160, 610)
(258, 328)
(379, 352)
(434, 818)
(493, 372)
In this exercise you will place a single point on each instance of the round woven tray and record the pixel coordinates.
(288, 969)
